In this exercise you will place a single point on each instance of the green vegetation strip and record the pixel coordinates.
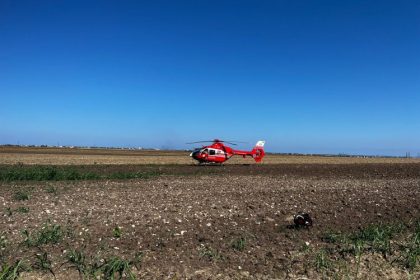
(63, 173)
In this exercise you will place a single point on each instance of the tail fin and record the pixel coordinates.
(258, 151)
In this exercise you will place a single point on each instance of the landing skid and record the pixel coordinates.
(209, 164)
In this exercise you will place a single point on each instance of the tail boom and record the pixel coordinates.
(257, 153)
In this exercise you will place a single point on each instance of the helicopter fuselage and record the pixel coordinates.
(219, 153)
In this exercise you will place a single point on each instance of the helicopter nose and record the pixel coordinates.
(194, 154)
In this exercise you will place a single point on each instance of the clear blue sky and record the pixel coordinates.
(306, 76)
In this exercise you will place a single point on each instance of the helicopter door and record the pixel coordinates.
(212, 154)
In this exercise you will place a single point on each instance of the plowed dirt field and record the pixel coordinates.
(185, 225)
(217, 222)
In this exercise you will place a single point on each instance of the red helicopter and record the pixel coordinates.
(219, 153)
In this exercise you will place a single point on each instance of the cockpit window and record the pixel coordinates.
(212, 152)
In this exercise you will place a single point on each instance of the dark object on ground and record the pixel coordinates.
(302, 219)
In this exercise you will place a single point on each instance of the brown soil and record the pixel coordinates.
(175, 218)
(320, 171)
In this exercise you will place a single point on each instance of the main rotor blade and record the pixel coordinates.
(218, 141)
(199, 142)
(229, 143)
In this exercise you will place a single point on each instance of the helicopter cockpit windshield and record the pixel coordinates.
(196, 152)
